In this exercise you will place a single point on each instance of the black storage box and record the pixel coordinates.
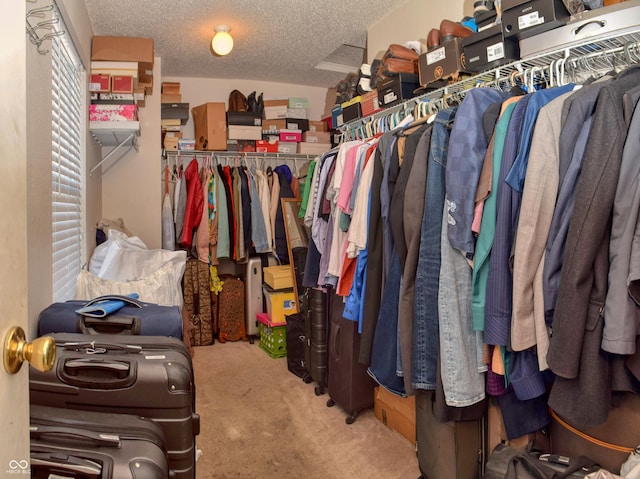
(485, 19)
(489, 49)
(526, 18)
(171, 111)
(394, 90)
(351, 112)
(442, 62)
(244, 118)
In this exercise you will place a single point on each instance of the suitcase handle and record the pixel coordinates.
(97, 373)
(75, 434)
(115, 297)
(97, 347)
(90, 469)
(336, 332)
(109, 325)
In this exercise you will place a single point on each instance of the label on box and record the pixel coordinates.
(289, 304)
(529, 20)
(339, 120)
(390, 97)
(436, 56)
(292, 126)
(495, 52)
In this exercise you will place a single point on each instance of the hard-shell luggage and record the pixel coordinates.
(297, 345)
(135, 318)
(253, 297)
(68, 443)
(145, 376)
(452, 449)
(316, 332)
(349, 384)
(231, 317)
(197, 302)
(609, 444)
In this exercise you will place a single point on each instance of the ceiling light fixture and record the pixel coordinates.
(222, 42)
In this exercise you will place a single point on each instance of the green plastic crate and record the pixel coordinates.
(273, 340)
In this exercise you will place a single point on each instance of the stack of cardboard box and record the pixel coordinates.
(173, 115)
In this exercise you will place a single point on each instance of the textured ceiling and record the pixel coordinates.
(277, 40)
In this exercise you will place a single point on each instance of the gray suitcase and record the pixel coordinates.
(148, 376)
(254, 299)
(67, 443)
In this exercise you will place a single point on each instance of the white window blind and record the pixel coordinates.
(67, 167)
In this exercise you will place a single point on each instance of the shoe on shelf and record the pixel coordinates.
(450, 30)
(433, 38)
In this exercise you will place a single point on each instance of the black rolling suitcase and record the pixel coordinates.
(349, 384)
(145, 376)
(68, 443)
(317, 329)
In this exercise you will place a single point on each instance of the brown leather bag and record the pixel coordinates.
(237, 101)
(231, 315)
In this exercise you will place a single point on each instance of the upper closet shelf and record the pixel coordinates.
(119, 134)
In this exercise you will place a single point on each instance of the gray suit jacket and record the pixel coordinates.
(582, 390)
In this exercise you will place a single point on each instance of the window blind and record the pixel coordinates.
(67, 167)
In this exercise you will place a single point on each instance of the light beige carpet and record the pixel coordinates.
(260, 421)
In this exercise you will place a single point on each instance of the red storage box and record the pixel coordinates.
(291, 135)
(113, 112)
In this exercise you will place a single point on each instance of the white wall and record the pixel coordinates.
(412, 21)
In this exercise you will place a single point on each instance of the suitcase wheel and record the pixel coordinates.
(330, 402)
(307, 379)
(319, 391)
(351, 418)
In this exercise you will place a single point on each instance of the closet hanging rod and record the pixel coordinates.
(591, 48)
(241, 155)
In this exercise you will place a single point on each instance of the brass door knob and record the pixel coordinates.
(41, 352)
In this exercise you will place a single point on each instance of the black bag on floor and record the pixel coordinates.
(506, 462)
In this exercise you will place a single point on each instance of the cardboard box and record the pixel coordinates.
(336, 117)
(306, 148)
(100, 83)
(287, 147)
(370, 103)
(178, 111)
(122, 84)
(278, 277)
(352, 109)
(394, 90)
(318, 126)
(297, 113)
(316, 137)
(298, 103)
(113, 112)
(170, 88)
(115, 68)
(291, 135)
(210, 126)
(266, 146)
(489, 49)
(441, 62)
(396, 412)
(170, 143)
(246, 118)
(243, 146)
(279, 304)
(271, 112)
(270, 103)
(329, 101)
(170, 98)
(277, 124)
(244, 132)
(526, 18)
(124, 49)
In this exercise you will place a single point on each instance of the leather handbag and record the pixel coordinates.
(506, 462)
